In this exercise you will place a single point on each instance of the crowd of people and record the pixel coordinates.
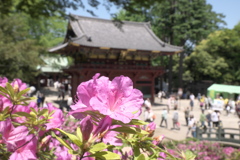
(209, 116)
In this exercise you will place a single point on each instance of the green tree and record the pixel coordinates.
(19, 55)
(47, 31)
(179, 22)
(48, 8)
(217, 57)
(22, 41)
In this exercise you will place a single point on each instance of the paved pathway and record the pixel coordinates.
(228, 121)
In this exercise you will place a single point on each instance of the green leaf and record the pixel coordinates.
(10, 89)
(98, 147)
(73, 152)
(141, 131)
(137, 122)
(3, 91)
(125, 129)
(25, 114)
(136, 151)
(6, 110)
(62, 141)
(140, 157)
(33, 110)
(106, 155)
(79, 134)
(72, 137)
(26, 99)
(189, 155)
(43, 112)
(22, 92)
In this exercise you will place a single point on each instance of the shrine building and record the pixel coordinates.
(113, 48)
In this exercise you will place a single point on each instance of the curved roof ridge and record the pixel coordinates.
(159, 40)
(108, 20)
(77, 38)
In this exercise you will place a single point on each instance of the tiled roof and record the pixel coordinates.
(95, 32)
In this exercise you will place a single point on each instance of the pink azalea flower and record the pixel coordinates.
(87, 158)
(85, 92)
(110, 137)
(151, 126)
(158, 140)
(1, 105)
(11, 135)
(163, 155)
(26, 149)
(3, 81)
(103, 126)
(20, 108)
(126, 154)
(228, 150)
(6, 102)
(91, 132)
(57, 117)
(19, 84)
(62, 153)
(117, 98)
(86, 127)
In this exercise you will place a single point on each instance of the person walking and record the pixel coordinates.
(147, 103)
(202, 102)
(160, 95)
(192, 97)
(175, 119)
(148, 115)
(39, 99)
(194, 130)
(186, 114)
(208, 118)
(215, 118)
(202, 118)
(190, 124)
(164, 117)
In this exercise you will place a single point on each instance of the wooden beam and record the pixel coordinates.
(131, 50)
(105, 48)
(155, 51)
(74, 44)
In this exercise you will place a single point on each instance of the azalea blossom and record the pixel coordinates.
(163, 155)
(158, 139)
(57, 117)
(3, 81)
(11, 135)
(91, 132)
(18, 84)
(26, 109)
(110, 137)
(25, 149)
(117, 98)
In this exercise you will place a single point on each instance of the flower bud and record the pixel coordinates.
(16, 88)
(86, 127)
(103, 126)
(1, 105)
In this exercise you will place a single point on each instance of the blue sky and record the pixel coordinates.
(230, 8)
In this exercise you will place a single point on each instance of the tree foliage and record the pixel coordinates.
(19, 54)
(179, 22)
(217, 57)
(22, 40)
(48, 8)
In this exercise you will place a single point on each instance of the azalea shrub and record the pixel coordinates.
(204, 150)
(103, 123)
